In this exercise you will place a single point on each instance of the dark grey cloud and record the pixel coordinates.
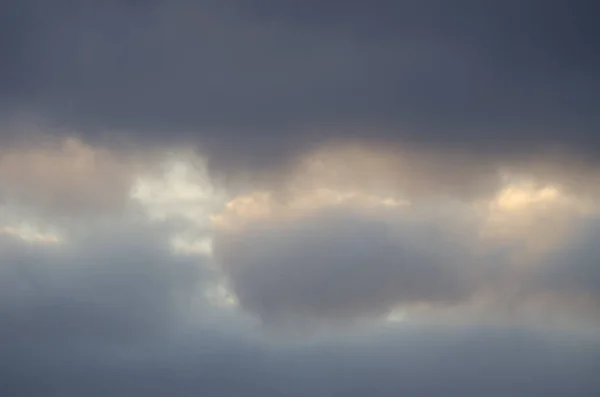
(336, 265)
(254, 81)
(339, 265)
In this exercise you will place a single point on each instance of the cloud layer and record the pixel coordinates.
(109, 318)
(252, 83)
(299, 198)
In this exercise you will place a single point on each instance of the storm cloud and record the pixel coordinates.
(299, 198)
(252, 83)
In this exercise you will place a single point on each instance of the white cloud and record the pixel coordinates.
(181, 189)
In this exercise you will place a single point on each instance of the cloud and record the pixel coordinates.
(178, 187)
(253, 84)
(106, 282)
(299, 198)
(571, 272)
(328, 257)
(112, 308)
(341, 265)
(64, 178)
(350, 232)
(106, 313)
(494, 362)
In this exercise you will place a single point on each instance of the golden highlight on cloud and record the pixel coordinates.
(65, 177)
(541, 218)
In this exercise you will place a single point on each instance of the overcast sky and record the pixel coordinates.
(299, 198)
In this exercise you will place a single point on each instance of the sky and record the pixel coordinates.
(299, 198)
